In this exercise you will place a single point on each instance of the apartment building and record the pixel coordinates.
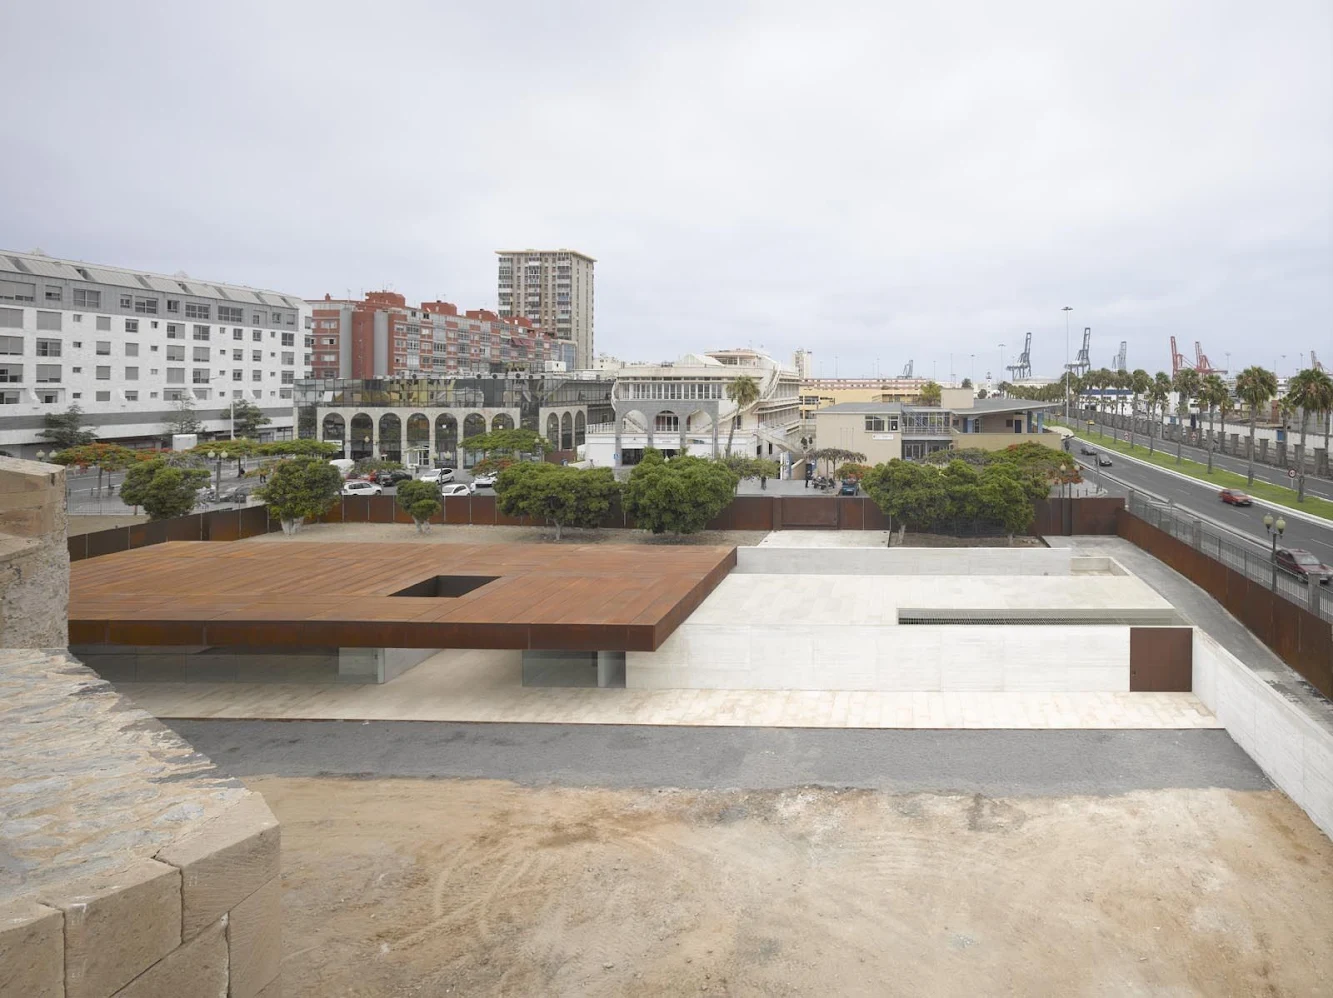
(381, 336)
(554, 290)
(124, 345)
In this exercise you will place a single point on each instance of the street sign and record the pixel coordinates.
(1291, 472)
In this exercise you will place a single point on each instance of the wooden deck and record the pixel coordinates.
(300, 594)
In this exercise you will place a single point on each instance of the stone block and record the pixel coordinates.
(32, 950)
(224, 862)
(117, 925)
(198, 969)
(254, 938)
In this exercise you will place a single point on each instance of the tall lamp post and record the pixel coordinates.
(1275, 530)
(219, 457)
(1066, 310)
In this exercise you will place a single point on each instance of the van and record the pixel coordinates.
(344, 465)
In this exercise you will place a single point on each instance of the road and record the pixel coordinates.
(1201, 499)
(994, 763)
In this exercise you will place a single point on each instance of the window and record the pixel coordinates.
(132, 396)
(174, 305)
(256, 355)
(145, 306)
(257, 394)
(18, 290)
(289, 358)
(48, 320)
(77, 370)
(131, 325)
(257, 335)
(175, 331)
(175, 352)
(288, 377)
(285, 393)
(153, 347)
(78, 317)
(54, 294)
(77, 344)
(196, 310)
(48, 373)
(200, 376)
(104, 348)
(237, 375)
(289, 339)
(256, 375)
(237, 334)
(51, 398)
(173, 395)
(103, 323)
(11, 345)
(11, 374)
(202, 332)
(230, 313)
(103, 396)
(131, 374)
(9, 398)
(104, 374)
(11, 318)
(175, 375)
(126, 301)
(131, 349)
(48, 348)
(202, 354)
(258, 318)
(84, 298)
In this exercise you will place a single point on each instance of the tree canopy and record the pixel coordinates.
(247, 418)
(301, 488)
(561, 495)
(957, 498)
(66, 429)
(183, 418)
(421, 501)
(511, 441)
(162, 487)
(678, 496)
(930, 393)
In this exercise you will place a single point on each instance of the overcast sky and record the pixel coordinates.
(876, 182)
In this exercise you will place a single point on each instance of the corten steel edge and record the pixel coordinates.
(306, 594)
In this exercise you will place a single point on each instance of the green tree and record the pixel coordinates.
(183, 418)
(1159, 394)
(1255, 386)
(421, 501)
(1212, 393)
(930, 393)
(1006, 501)
(912, 494)
(105, 457)
(1186, 384)
(301, 488)
(1312, 390)
(301, 447)
(744, 391)
(163, 487)
(967, 383)
(680, 496)
(247, 418)
(852, 471)
(66, 429)
(508, 442)
(1139, 383)
(561, 495)
(370, 465)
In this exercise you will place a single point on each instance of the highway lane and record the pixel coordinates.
(1201, 499)
(1321, 487)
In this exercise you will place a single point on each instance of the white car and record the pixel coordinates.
(486, 481)
(440, 475)
(457, 489)
(361, 489)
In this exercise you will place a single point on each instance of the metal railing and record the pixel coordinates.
(1250, 558)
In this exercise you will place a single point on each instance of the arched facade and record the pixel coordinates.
(580, 429)
(566, 432)
(418, 440)
(362, 437)
(687, 413)
(446, 440)
(474, 425)
(553, 430)
(502, 421)
(334, 430)
(391, 437)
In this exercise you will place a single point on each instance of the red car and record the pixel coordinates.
(1235, 497)
(1303, 565)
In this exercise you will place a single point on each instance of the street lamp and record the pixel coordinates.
(1066, 310)
(219, 457)
(1275, 530)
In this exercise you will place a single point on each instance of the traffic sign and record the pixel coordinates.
(1291, 472)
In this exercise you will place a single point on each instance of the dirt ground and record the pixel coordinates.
(435, 887)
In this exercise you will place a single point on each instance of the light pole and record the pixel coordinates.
(219, 457)
(1275, 530)
(1066, 310)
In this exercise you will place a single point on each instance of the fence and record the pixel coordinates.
(1054, 516)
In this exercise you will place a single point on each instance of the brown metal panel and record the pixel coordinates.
(78, 546)
(1161, 659)
(1096, 514)
(185, 528)
(872, 517)
(851, 515)
(379, 509)
(253, 521)
(1314, 657)
(1286, 629)
(457, 510)
(222, 525)
(800, 512)
(483, 510)
(105, 542)
(335, 513)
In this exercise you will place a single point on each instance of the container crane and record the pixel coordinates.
(907, 369)
(1023, 369)
(1082, 363)
(1202, 364)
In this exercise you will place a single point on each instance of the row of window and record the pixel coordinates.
(47, 397)
(25, 291)
(684, 390)
(12, 318)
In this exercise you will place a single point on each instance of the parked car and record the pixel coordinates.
(848, 488)
(457, 489)
(1103, 461)
(392, 477)
(237, 493)
(486, 481)
(361, 489)
(1235, 497)
(440, 475)
(1303, 565)
(1089, 451)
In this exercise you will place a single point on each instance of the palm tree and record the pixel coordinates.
(1212, 393)
(1312, 390)
(1139, 382)
(1225, 406)
(1255, 386)
(1187, 386)
(744, 391)
(930, 393)
(1159, 395)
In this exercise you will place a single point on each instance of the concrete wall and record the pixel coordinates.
(1293, 749)
(166, 886)
(847, 430)
(203, 664)
(922, 658)
(778, 559)
(34, 558)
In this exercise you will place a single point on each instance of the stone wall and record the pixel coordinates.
(34, 556)
(129, 866)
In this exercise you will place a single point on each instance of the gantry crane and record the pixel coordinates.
(1023, 369)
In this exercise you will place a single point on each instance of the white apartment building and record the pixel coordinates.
(124, 345)
(553, 288)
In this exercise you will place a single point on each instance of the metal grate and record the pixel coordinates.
(1091, 618)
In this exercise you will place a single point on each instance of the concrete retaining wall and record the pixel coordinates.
(1294, 750)
(777, 559)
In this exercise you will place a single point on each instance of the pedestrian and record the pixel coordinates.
(263, 476)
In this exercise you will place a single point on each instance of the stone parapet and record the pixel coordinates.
(34, 556)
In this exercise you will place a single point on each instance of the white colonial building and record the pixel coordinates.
(124, 345)
(682, 407)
